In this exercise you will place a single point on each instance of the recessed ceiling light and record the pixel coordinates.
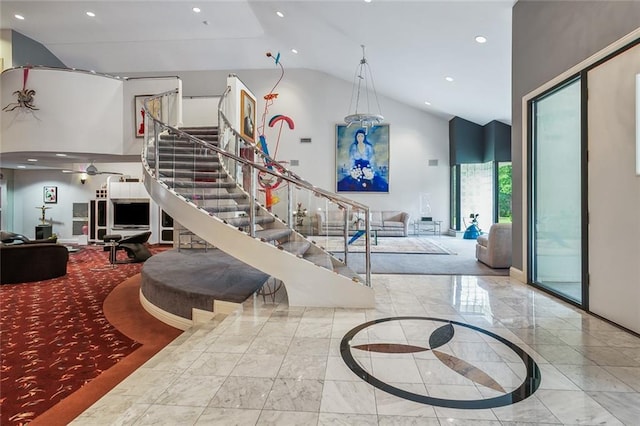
(481, 39)
(91, 14)
(449, 79)
(20, 17)
(196, 9)
(61, 155)
(67, 171)
(367, 1)
(33, 160)
(280, 14)
(22, 167)
(427, 103)
(294, 51)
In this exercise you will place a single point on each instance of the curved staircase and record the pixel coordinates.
(198, 178)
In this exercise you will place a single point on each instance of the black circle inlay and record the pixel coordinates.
(440, 337)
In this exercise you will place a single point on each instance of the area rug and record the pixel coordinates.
(415, 245)
(55, 337)
(420, 264)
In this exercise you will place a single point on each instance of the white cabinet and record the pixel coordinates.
(166, 228)
(97, 217)
(127, 190)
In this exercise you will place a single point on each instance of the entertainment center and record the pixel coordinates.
(124, 208)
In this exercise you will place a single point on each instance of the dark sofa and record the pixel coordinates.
(22, 263)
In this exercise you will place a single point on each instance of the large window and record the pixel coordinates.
(556, 191)
(484, 189)
(476, 194)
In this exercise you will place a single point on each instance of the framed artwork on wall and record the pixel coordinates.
(362, 159)
(247, 116)
(155, 107)
(50, 194)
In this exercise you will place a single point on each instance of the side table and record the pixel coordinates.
(426, 226)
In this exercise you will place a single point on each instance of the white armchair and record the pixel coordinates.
(494, 248)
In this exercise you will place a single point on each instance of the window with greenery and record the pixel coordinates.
(504, 192)
(476, 193)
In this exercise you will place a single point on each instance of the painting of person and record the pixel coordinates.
(360, 166)
(248, 122)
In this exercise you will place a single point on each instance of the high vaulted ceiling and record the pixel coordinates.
(411, 46)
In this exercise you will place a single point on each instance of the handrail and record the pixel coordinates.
(51, 68)
(293, 177)
(159, 95)
(343, 203)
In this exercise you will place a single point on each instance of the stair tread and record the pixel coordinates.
(209, 161)
(296, 247)
(171, 136)
(240, 207)
(190, 173)
(273, 234)
(348, 272)
(198, 129)
(198, 184)
(225, 196)
(188, 156)
(182, 147)
(321, 259)
(244, 221)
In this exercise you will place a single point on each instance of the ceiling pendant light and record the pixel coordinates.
(360, 93)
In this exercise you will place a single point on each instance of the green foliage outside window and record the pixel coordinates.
(504, 192)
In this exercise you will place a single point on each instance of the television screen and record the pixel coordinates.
(130, 214)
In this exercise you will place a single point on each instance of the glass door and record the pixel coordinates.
(556, 191)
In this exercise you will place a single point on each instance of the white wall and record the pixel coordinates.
(77, 112)
(614, 286)
(6, 52)
(317, 102)
(200, 111)
(132, 88)
(549, 37)
(28, 192)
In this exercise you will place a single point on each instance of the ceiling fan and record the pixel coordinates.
(92, 170)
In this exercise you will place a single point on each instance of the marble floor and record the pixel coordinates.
(436, 350)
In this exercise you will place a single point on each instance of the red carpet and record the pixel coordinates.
(55, 337)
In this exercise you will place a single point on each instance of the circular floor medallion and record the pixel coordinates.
(440, 341)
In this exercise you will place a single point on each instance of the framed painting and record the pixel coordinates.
(50, 194)
(362, 158)
(155, 107)
(247, 116)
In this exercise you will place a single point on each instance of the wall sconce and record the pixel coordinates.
(83, 178)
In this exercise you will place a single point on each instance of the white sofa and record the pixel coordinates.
(494, 249)
(388, 223)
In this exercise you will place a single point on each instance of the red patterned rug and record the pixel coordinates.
(55, 337)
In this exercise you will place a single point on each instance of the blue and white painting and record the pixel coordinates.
(362, 159)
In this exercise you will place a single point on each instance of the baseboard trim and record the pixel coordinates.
(164, 316)
(518, 275)
(225, 308)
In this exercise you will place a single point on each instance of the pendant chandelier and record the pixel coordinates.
(363, 85)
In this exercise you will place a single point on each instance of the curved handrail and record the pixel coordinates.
(82, 71)
(288, 176)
